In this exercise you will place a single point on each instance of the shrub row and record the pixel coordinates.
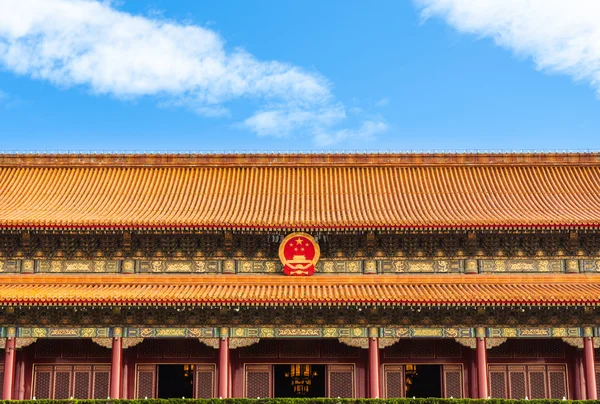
(302, 401)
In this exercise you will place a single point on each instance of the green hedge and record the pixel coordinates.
(303, 401)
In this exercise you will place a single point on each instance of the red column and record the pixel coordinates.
(21, 391)
(482, 366)
(373, 367)
(223, 389)
(9, 368)
(115, 368)
(590, 368)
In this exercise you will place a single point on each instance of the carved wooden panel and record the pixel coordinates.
(101, 387)
(598, 378)
(452, 381)
(537, 381)
(175, 349)
(448, 348)
(552, 348)
(299, 348)
(517, 383)
(532, 381)
(205, 381)
(498, 381)
(259, 381)
(422, 348)
(97, 351)
(340, 380)
(1, 378)
(393, 381)
(557, 376)
(266, 348)
(145, 381)
(400, 349)
(62, 382)
(526, 348)
(75, 348)
(150, 348)
(529, 348)
(48, 348)
(332, 348)
(82, 381)
(198, 350)
(65, 381)
(42, 382)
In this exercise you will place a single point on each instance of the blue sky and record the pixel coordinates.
(158, 75)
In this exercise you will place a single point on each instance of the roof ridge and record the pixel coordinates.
(67, 160)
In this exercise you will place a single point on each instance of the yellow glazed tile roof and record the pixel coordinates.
(353, 191)
(270, 290)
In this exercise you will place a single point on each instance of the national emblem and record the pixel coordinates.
(299, 253)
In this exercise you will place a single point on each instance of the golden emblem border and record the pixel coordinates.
(310, 238)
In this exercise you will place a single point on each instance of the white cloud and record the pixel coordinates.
(560, 36)
(366, 131)
(281, 121)
(382, 102)
(92, 44)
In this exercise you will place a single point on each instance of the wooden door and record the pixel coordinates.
(204, 380)
(1, 380)
(340, 381)
(145, 381)
(393, 381)
(498, 381)
(452, 381)
(258, 381)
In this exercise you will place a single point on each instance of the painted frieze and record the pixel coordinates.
(421, 266)
(521, 265)
(189, 266)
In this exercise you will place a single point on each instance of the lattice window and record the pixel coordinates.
(331, 348)
(75, 348)
(62, 383)
(146, 381)
(266, 348)
(422, 348)
(533, 381)
(598, 379)
(393, 376)
(453, 381)
(537, 382)
(400, 349)
(558, 381)
(448, 348)
(175, 349)
(199, 350)
(205, 381)
(498, 382)
(97, 351)
(526, 348)
(552, 348)
(1, 379)
(101, 382)
(341, 381)
(516, 378)
(258, 381)
(150, 348)
(299, 349)
(502, 351)
(82, 381)
(47, 348)
(42, 382)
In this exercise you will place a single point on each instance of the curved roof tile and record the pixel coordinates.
(382, 191)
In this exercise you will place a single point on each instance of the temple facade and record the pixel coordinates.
(300, 275)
